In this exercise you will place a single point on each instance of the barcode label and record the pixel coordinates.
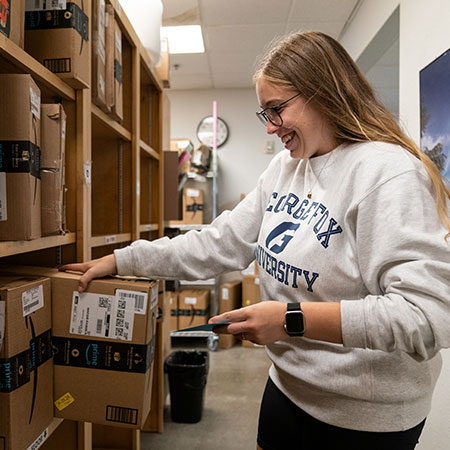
(99, 325)
(32, 300)
(35, 103)
(3, 203)
(45, 5)
(122, 415)
(139, 298)
(58, 65)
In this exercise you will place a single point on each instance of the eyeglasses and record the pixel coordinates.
(272, 113)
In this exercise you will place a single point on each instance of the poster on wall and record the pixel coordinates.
(435, 112)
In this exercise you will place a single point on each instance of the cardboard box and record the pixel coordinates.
(104, 346)
(59, 39)
(117, 107)
(12, 19)
(230, 297)
(193, 307)
(99, 54)
(26, 366)
(192, 206)
(53, 148)
(172, 197)
(20, 184)
(110, 26)
(64, 437)
(172, 313)
(163, 68)
(251, 293)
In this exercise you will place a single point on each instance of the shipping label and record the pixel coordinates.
(190, 300)
(225, 295)
(3, 202)
(101, 315)
(139, 298)
(35, 103)
(45, 5)
(39, 440)
(32, 300)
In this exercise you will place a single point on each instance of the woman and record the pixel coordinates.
(349, 229)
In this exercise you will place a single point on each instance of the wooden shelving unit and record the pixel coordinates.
(113, 170)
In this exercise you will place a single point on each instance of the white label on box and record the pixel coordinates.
(101, 83)
(63, 129)
(3, 203)
(102, 315)
(110, 239)
(39, 440)
(154, 299)
(257, 280)
(190, 300)
(2, 323)
(192, 192)
(39, 5)
(197, 159)
(225, 294)
(140, 299)
(102, 51)
(119, 42)
(87, 172)
(32, 300)
(35, 103)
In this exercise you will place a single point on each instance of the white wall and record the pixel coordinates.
(423, 37)
(241, 158)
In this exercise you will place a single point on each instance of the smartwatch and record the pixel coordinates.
(294, 320)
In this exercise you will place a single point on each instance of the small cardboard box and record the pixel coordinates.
(193, 307)
(117, 108)
(58, 37)
(230, 297)
(12, 18)
(163, 68)
(251, 293)
(99, 54)
(20, 184)
(110, 26)
(53, 147)
(192, 206)
(26, 366)
(104, 344)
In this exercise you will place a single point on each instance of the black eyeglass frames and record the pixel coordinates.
(272, 113)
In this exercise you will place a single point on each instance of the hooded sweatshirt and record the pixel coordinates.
(370, 238)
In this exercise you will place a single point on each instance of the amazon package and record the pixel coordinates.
(57, 35)
(103, 343)
(99, 54)
(192, 206)
(26, 366)
(20, 183)
(193, 307)
(12, 20)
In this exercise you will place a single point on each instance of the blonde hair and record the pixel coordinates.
(318, 67)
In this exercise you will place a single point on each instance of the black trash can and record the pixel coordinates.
(188, 373)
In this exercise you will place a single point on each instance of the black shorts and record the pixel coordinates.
(284, 426)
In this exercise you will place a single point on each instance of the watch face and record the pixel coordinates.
(294, 322)
(205, 131)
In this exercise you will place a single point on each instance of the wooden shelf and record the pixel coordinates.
(147, 149)
(100, 241)
(148, 227)
(104, 126)
(13, 58)
(8, 248)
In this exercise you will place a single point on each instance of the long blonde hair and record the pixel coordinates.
(321, 69)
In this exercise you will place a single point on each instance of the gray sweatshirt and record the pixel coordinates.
(369, 238)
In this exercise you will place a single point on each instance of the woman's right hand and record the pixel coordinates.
(92, 269)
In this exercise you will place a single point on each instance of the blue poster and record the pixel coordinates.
(435, 112)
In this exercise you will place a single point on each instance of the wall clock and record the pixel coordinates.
(205, 131)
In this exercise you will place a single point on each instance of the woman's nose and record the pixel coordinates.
(271, 128)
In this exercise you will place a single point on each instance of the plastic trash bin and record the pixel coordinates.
(188, 373)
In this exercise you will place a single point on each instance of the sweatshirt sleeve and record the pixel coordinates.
(405, 263)
(227, 244)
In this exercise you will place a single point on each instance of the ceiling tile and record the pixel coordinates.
(331, 28)
(189, 64)
(322, 11)
(180, 12)
(240, 12)
(232, 80)
(190, 82)
(232, 62)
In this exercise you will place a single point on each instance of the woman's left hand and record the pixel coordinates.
(261, 323)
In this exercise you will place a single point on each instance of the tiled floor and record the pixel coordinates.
(236, 381)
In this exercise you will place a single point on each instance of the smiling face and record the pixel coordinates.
(305, 131)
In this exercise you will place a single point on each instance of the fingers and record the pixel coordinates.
(76, 267)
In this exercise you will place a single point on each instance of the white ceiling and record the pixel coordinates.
(236, 32)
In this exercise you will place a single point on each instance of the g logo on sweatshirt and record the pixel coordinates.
(282, 233)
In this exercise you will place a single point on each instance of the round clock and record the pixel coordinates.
(205, 131)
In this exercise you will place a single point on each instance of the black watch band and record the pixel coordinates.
(294, 320)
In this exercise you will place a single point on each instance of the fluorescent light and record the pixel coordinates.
(184, 39)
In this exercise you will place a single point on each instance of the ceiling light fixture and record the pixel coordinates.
(184, 39)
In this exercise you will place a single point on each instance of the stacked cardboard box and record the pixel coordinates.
(193, 307)
(20, 184)
(53, 144)
(26, 366)
(104, 343)
(99, 54)
(192, 206)
(57, 35)
(230, 297)
(12, 16)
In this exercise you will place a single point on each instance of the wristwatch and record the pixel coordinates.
(294, 320)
